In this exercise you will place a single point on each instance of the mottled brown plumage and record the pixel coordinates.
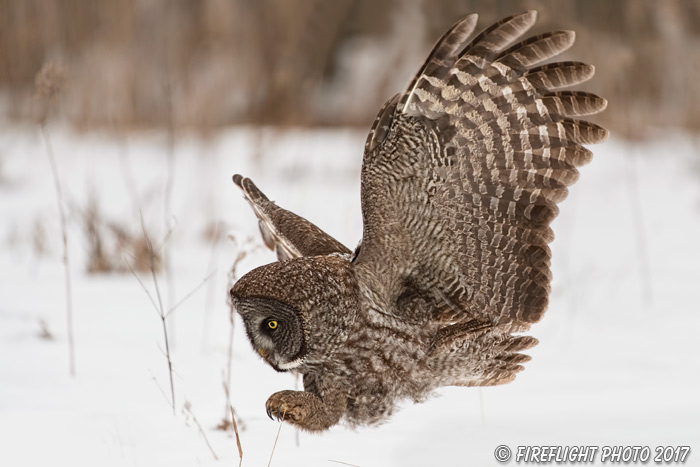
(461, 178)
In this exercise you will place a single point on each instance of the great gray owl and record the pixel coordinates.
(461, 177)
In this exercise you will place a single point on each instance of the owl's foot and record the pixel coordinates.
(303, 409)
(284, 405)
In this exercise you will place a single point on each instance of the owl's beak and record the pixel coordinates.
(264, 354)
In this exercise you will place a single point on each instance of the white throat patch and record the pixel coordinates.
(291, 365)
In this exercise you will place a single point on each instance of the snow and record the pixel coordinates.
(617, 362)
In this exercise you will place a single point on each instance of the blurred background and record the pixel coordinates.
(213, 63)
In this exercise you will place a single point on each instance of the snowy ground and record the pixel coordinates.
(618, 362)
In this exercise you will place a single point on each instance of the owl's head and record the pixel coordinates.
(275, 329)
(297, 311)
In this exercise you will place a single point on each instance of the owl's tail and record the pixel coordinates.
(486, 359)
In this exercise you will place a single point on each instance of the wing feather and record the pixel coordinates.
(285, 233)
(459, 192)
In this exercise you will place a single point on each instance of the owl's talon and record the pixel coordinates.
(281, 412)
(283, 406)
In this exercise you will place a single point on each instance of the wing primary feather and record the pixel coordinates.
(553, 76)
(537, 49)
(485, 46)
(443, 54)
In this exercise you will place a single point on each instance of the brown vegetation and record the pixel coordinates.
(112, 247)
(314, 62)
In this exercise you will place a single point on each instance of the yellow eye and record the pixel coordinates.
(272, 324)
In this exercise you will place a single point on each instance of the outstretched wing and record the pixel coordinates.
(462, 174)
(285, 233)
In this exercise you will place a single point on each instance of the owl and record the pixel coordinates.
(461, 177)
